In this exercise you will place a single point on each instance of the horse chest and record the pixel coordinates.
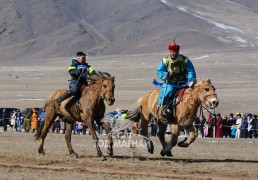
(186, 120)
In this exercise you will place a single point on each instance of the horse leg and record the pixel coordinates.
(187, 141)
(110, 139)
(174, 138)
(68, 138)
(95, 138)
(41, 149)
(161, 135)
(145, 134)
(43, 132)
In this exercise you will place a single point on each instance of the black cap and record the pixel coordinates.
(249, 114)
(80, 53)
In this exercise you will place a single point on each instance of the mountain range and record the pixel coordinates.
(58, 28)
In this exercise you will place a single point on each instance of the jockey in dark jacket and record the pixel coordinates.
(79, 70)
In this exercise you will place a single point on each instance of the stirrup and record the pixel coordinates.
(58, 102)
(159, 115)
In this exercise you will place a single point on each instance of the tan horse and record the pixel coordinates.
(88, 108)
(185, 113)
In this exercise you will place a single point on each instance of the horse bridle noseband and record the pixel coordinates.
(207, 95)
(103, 94)
(205, 98)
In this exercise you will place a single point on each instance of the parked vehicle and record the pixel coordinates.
(116, 120)
(110, 116)
(9, 113)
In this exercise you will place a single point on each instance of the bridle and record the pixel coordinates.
(205, 98)
(102, 95)
(99, 82)
(207, 95)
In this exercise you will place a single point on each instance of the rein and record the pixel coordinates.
(201, 111)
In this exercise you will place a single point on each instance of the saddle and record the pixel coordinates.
(74, 105)
(169, 108)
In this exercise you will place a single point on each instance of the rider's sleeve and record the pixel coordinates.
(91, 71)
(74, 72)
(162, 71)
(191, 75)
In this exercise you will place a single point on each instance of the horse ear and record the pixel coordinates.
(99, 73)
(200, 79)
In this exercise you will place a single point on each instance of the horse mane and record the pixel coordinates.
(197, 84)
(98, 76)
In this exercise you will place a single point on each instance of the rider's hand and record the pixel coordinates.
(190, 84)
(170, 72)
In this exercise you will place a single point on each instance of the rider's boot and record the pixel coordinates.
(164, 113)
(167, 110)
(66, 95)
(159, 114)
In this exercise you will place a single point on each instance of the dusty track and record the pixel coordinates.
(204, 159)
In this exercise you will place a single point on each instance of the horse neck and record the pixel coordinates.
(194, 96)
(92, 93)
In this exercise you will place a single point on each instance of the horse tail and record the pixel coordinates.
(38, 134)
(134, 115)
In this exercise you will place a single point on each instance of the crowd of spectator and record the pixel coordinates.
(30, 120)
(237, 125)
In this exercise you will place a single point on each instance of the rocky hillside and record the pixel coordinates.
(59, 28)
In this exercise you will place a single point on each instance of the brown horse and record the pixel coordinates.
(88, 108)
(203, 94)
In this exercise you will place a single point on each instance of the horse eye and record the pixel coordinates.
(105, 86)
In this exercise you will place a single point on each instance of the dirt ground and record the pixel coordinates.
(28, 84)
(206, 158)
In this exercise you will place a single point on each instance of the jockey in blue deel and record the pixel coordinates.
(79, 70)
(174, 69)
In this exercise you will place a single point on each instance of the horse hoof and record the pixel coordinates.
(183, 144)
(100, 154)
(169, 154)
(74, 155)
(150, 147)
(41, 152)
(110, 153)
(162, 153)
(103, 158)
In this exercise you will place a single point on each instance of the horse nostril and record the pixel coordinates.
(215, 103)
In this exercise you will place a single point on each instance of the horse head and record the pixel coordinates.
(107, 86)
(208, 95)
